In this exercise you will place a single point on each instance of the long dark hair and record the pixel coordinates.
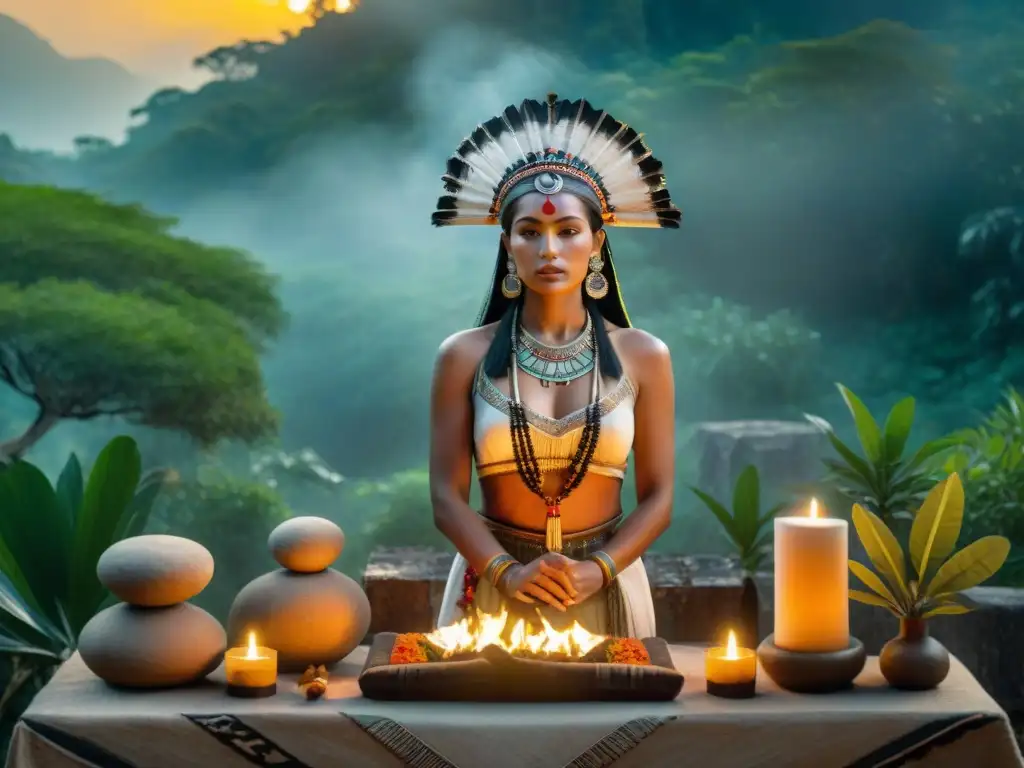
(499, 308)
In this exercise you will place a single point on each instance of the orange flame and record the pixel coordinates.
(731, 649)
(473, 634)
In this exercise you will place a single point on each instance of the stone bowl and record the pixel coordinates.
(803, 672)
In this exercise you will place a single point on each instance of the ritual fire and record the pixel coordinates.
(474, 633)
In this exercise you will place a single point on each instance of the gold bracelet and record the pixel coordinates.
(606, 564)
(499, 572)
(496, 562)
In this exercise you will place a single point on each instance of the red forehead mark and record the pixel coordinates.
(548, 207)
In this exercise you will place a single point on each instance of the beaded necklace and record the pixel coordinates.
(526, 458)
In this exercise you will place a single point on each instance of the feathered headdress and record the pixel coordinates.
(567, 138)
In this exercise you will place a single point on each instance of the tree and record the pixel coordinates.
(103, 312)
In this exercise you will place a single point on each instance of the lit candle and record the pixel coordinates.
(812, 604)
(251, 671)
(731, 671)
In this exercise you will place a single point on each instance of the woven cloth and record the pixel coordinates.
(77, 721)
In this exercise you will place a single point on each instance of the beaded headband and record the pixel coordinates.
(553, 143)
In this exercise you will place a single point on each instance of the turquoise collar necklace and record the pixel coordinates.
(560, 364)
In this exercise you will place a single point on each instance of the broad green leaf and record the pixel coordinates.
(882, 548)
(875, 584)
(870, 599)
(720, 512)
(970, 566)
(36, 538)
(770, 515)
(108, 494)
(897, 428)
(70, 487)
(867, 428)
(14, 647)
(134, 521)
(937, 525)
(857, 464)
(746, 501)
(929, 450)
(951, 609)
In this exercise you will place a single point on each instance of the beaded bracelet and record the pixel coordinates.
(607, 565)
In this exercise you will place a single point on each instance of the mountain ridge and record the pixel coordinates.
(47, 99)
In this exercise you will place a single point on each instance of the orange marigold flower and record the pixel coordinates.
(409, 649)
(628, 650)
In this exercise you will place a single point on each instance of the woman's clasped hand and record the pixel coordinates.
(554, 579)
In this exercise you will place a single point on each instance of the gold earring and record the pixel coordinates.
(596, 285)
(511, 285)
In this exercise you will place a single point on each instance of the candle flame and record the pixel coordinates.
(731, 651)
(814, 508)
(252, 653)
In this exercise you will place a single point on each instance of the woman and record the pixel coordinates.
(553, 388)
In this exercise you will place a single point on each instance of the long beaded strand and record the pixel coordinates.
(526, 457)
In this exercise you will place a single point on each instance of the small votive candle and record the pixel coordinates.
(251, 671)
(731, 672)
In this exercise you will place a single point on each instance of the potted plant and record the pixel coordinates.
(750, 532)
(914, 660)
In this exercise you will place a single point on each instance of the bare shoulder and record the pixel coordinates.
(639, 349)
(461, 353)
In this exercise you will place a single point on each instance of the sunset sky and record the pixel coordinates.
(151, 37)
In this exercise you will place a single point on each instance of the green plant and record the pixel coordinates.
(941, 574)
(745, 526)
(990, 457)
(51, 538)
(883, 479)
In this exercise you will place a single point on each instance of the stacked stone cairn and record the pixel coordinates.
(308, 612)
(154, 638)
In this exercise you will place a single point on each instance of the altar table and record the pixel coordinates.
(77, 721)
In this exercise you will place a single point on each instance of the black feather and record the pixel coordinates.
(514, 119)
(609, 127)
(496, 127)
(451, 184)
(590, 115)
(466, 148)
(441, 218)
(457, 168)
(447, 203)
(670, 219)
(532, 109)
(629, 139)
(649, 165)
(566, 110)
(661, 196)
(479, 137)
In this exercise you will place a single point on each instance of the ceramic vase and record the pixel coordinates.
(914, 660)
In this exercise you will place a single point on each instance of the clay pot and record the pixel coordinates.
(914, 661)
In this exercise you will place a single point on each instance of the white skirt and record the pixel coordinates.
(592, 614)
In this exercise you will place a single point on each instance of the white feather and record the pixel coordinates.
(492, 159)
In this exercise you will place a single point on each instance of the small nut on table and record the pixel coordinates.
(314, 682)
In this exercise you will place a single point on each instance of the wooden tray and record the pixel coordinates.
(494, 675)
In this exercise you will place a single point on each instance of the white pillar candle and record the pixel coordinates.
(812, 599)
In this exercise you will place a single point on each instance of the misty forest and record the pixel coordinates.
(248, 284)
